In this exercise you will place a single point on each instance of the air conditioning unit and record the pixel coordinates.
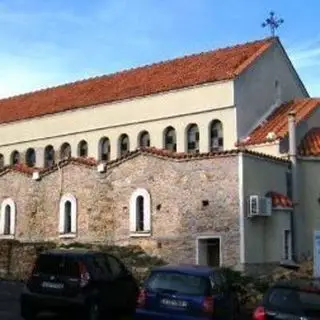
(259, 206)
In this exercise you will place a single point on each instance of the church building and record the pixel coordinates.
(211, 158)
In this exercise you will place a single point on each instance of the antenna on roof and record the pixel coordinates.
(273, 22)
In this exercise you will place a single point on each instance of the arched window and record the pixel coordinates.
(216, 135)
(65, 151)
(193, 138)
(170, 139)
(104, 149)
(68, 216)
(15, 157)
(83, 148)
(30, 157)
(144, 139)
(1, 161)
(124, 145)
(140, 211)
(7, 218)
(49, 156)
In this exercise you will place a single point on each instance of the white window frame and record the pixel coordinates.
(74, 208)
(8, 202)
(133, 213)
(284, 245)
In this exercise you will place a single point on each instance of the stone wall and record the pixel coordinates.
(17, 258)
(188, 199)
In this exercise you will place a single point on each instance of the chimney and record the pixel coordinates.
(293, 159)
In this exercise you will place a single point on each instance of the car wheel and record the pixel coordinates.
(93, 311)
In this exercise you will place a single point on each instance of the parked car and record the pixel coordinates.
(188, 292)
(298, 299)
(84, 284)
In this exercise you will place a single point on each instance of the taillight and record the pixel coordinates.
(84, 275)
(141, 301)
(260, 314)
(208, 305)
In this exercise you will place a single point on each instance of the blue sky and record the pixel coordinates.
(45, 43)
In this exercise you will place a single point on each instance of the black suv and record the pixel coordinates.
(82, 284)
(289, 300)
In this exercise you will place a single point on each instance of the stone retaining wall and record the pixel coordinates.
(17, 258)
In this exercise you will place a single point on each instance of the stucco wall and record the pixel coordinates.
(302, 128)
(259, 177)
(309, 206)
(256, 92)
(154, 113)
(177, 190)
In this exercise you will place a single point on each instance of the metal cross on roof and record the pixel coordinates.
(273, 23)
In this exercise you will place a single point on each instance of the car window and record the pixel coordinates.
(175, 282)
(292, 299)
(101, 267)
(57, 265)
(115, 266)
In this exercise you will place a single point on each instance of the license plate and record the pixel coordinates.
(174, 303)
(52, 285)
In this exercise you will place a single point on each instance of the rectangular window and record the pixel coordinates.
(287, 245)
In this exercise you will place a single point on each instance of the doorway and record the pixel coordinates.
(209, 251)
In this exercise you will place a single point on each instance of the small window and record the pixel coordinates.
(15, 158)
(83, 149)
(170, 141)
(65, 151)
(30, 157)
(193, 138)
(144, 139)
(7, 217)
(140, 211)
(124, 146)
(68, 215)
(1, 161)
(216, 136)
(7, 220)
(104, 149)
(49, 156)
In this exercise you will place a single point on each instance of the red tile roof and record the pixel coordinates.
(279, 200)
(310, 144)
(217, 65)
(277, 122)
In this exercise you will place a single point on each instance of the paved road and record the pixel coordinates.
(9, 303)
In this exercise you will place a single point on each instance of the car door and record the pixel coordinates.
(126, 286)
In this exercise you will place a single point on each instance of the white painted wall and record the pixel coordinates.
(153, 113)
(256, 92)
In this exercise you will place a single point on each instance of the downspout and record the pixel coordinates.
(293, 159)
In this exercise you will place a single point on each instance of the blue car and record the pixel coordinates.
(186, 292)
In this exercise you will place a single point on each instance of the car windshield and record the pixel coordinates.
(292, 299)
(57, 265)
(177, 282)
